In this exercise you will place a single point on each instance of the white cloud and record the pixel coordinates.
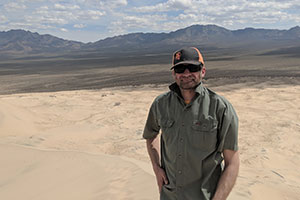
(29, 1)
(64, 30)
(59, 6)
(79, 26)
(44, 8)
(180, 4)
(29, 26)
(270, 4)
(13, 6)
(167, 6)
(115, 3)
(51, 16)
(106, 4)
(66, 7)
(53, 20)
(61, 17)
(93, 14)
(46, 19)
(131, 23)
(3, 19)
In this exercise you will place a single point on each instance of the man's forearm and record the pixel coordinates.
(226, 183)
(228, 178)
(153, 151)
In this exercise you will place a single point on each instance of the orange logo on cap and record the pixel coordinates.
(177, 56)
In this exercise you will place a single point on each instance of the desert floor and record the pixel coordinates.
(87, 144)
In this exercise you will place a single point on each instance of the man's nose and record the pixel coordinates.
(186, 71)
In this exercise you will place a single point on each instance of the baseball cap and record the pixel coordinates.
(187, 55)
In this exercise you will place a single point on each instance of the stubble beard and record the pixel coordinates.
(189, 84)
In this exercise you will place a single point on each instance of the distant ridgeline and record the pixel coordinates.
(210, 38)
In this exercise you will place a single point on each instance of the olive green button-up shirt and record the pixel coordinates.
(193, 138)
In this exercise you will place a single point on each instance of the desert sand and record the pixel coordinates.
(87, 144)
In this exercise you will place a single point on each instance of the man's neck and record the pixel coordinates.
(188, 95)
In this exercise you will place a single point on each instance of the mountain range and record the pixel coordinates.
(209, 37)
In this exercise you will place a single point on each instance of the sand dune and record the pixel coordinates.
(88, 145)
(35, 174)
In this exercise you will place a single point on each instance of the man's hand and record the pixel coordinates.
(161, 177)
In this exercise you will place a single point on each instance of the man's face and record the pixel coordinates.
(188, 80)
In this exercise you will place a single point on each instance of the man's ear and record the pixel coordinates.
(173, 73)
(203, 71)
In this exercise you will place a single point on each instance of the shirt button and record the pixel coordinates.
(179, 172)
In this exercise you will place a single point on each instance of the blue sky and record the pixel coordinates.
(92, 20)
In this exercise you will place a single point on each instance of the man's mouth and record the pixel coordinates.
(187, 80)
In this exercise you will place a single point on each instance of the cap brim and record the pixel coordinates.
(189, 62)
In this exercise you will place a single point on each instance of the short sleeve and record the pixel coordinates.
(228, 131)
(152, 127)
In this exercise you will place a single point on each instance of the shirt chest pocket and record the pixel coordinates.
(167, 128)
(204, 134)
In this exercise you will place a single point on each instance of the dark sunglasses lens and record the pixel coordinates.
(194, 68)
(179, 69)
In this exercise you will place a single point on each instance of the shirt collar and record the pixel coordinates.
(175, 88)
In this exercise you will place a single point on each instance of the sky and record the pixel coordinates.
(92, 20)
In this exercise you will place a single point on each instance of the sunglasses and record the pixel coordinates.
(192, 68)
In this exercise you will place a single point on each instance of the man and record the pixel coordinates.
(199, 129)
